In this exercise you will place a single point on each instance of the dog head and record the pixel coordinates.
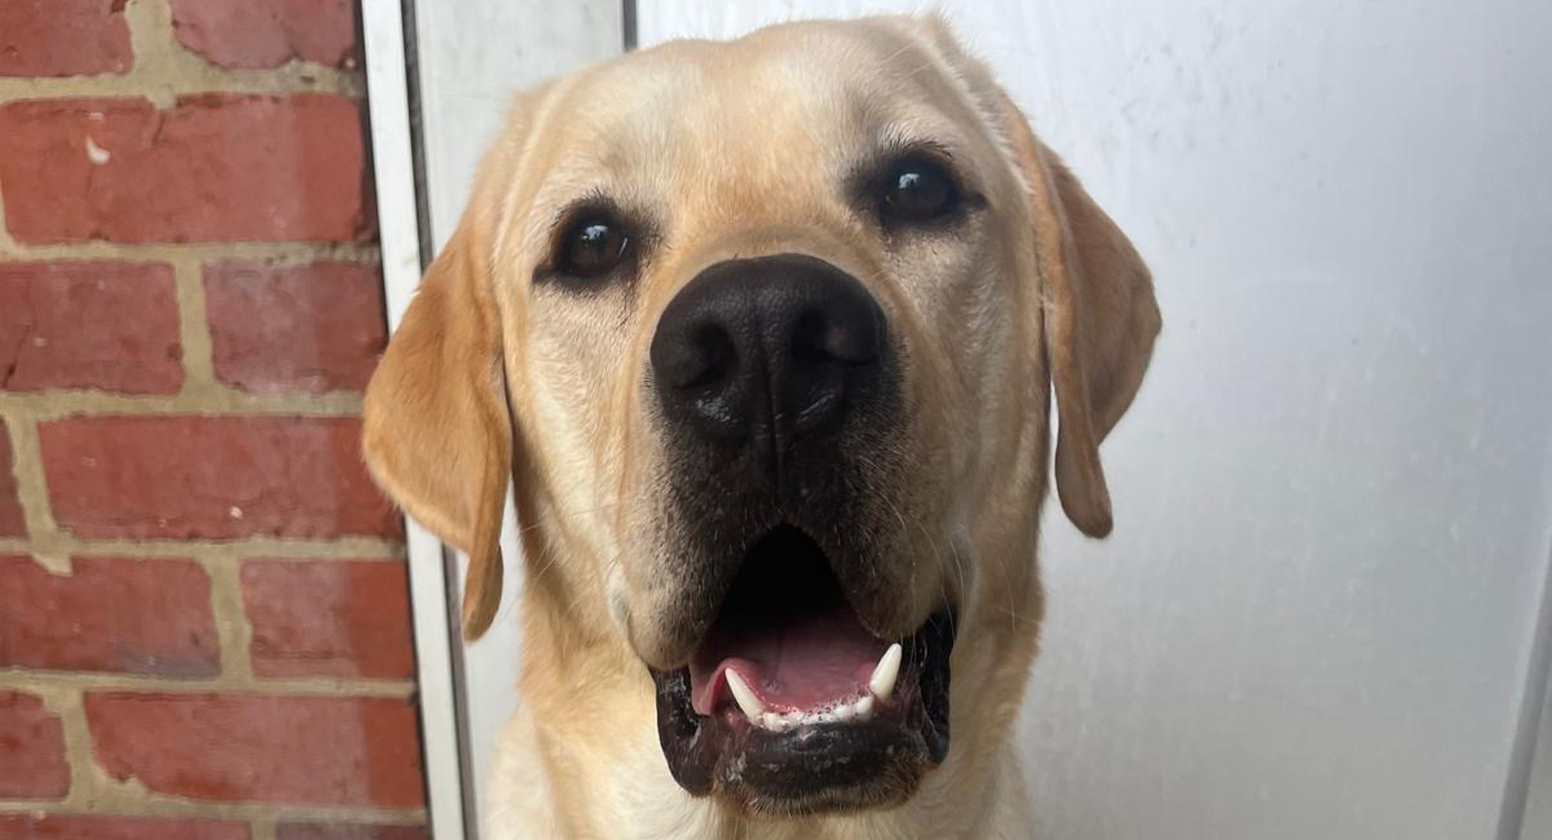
(764, 333)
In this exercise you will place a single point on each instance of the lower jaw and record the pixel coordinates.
(823, 770)
(814, 769)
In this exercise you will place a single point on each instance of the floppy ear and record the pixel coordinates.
(1100, 323)
(437, 433)
(1100, 320)
(1097, 305)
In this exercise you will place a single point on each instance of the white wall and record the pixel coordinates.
(1332, 497)
(1334, 494)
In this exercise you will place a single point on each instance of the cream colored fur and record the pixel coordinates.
(739, 146)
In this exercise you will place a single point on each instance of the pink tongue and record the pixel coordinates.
(801, 665)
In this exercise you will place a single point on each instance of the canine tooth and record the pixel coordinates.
(883, 680)
(751, 704)
(863, 708)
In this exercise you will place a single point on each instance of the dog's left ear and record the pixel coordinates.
(1096, 296)
(1101, 319)
(1098, 313)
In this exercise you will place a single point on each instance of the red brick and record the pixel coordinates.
(109, 614)
(84, 827)
(215, 167)
(106, 325)
(63, 37)
(32, 740)
(184, 477)
(268, 33)
(310, 328)
(269, 748)
(12, 522)
(349, 831)
(329, 618)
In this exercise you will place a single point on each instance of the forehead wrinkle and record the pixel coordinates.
(609, 137)
(531, 159)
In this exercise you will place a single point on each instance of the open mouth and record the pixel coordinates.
(791, 706)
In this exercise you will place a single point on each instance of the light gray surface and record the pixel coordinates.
(1332, 496)
(1538, 808)
(474, 55)
(1535, 817)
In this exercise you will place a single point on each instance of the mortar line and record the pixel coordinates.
(32, 492)
(193, 326)
(212, 401)
(283, 253)
(224, 683)
(150, 804)
(294, 77)
(66, 703)
(261, 828)
(7, 244)
(262, 549)
(233, 627)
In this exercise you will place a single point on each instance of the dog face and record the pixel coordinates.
(764, 333)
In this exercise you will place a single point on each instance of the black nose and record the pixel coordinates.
(767, 350)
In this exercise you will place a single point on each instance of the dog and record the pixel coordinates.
(764, 334)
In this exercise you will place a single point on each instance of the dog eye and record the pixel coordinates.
(593, 245)
(918, 190)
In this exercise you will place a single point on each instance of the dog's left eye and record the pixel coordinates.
(593, 245)
(918, 190)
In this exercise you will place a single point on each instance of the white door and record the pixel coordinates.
(1317, 617)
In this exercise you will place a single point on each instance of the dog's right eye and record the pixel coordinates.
(917, 190)
(592, 245)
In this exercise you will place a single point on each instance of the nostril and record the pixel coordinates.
(699, 355)
(717, 354)
(809, 343)
(857, 338)
(853, 335)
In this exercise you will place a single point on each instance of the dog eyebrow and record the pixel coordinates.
(895, 146)
(594, 199)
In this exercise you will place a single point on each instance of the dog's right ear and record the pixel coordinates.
(438, 434)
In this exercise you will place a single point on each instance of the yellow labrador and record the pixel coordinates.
(765, 334)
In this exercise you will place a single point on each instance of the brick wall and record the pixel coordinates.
(203, 607)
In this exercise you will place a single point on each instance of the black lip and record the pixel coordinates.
(821, 768)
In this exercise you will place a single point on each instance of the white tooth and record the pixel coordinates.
(792, 719)
(773, 722)
(825, 717)
(844, 712)
(751, 704)
(863, 707)
(883, 680)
